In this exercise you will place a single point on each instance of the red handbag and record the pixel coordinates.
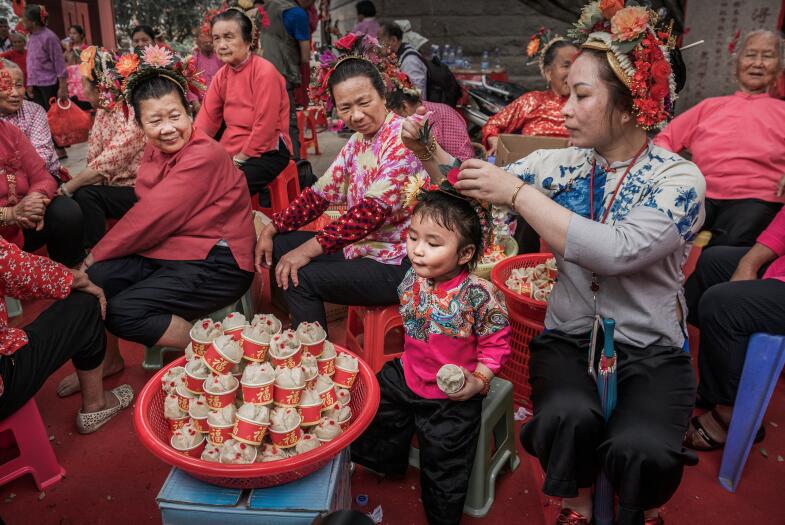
(69, 125)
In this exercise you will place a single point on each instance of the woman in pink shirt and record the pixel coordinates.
(185, 249)
(248, 100)
(736, 292)
(737, 142)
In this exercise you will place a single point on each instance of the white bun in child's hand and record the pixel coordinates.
(450, 379)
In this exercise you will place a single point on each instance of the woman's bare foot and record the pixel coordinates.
(109, 401)
(70, 384)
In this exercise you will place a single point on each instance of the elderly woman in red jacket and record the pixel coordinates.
(185, 249)
(70, 329)
(247, 96)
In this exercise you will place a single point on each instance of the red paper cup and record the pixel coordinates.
(286, 439)
(310, 414)
(199, 347)
(217, 361)
(249, 432)
(221, 400)
(293, 361)
(235, 333)
(258, 394)
(344, 378)
(184, 397)
(253, 350)
(345, 423)
(177, 424)
(218, 434)
(287, 397)
(315, 348)
(329, 398)
(194, 452)
(552, 274)
(311, 381)
(326, 366)
(194, 384)
(200, 424)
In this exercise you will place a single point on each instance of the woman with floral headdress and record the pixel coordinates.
(248, 97)
(185, 249)
(537, 112)
(104, 189)
(360, 258)
(620, 214)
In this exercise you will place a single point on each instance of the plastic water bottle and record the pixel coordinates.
(453, 61)
(446, 55)
(435, 52)
(497, 62)
(485, 65)
(459, 61)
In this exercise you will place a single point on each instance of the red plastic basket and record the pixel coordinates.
(527, 318)
(153, 432)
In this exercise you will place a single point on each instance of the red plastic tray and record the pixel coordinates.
(153, 432)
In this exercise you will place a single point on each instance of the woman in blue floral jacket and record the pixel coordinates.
(619, 214)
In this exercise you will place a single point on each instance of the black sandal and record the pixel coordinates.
(697, 428)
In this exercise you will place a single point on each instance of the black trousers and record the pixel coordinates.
(143, 294)
(43, 94)
(261, 171)
(69, 329)
(334, 279)
(294, 130)
(738, 222)
(62, 232)
(640, 448)
(728, 313)
(99, 203)
(446, 430)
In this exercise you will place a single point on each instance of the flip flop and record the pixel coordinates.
(89, 422)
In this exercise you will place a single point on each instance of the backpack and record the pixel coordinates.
(441, 84)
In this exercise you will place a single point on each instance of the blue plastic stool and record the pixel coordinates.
(762, 368)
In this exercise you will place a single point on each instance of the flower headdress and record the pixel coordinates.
(155, 61)
(539, 44)
(98, 65)
(483, 210)
(356, 47)
(207, 21)
(637, 52)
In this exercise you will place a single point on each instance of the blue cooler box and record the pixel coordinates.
(184, 500)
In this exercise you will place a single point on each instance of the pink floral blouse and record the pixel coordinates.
(115, 147)
(382, 169)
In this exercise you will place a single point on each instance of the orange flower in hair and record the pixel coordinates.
(127, 64)
(629, 23)
(534, 46)
(608, 8)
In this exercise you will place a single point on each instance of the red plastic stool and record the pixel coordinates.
(373, 323)
(307, 121)
(35, 451)
(283, 189)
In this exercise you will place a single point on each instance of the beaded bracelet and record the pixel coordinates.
(486, 382)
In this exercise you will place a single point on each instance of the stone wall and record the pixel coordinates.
(476, 25)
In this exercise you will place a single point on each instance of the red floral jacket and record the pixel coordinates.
(26, 276)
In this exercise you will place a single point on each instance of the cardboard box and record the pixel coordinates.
(515, 147)
(184, 500)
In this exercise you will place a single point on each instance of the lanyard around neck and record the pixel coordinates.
(618, 185)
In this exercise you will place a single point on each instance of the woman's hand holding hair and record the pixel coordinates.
(483, 181)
